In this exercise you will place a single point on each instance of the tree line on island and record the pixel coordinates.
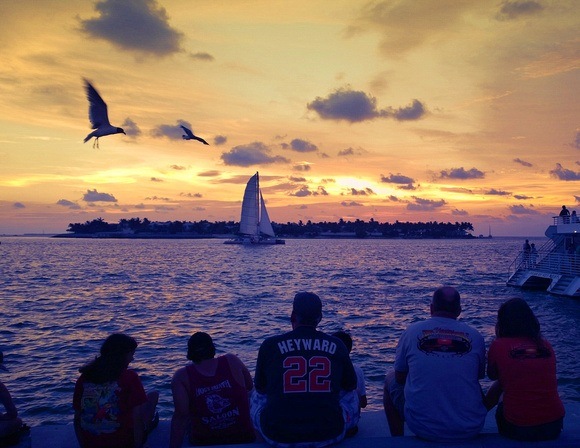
(136, 227)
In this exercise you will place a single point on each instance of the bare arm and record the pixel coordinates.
(180, 417)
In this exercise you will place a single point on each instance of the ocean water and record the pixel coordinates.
(60, 298)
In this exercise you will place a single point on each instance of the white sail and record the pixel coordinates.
(249, 220)
(265, 224)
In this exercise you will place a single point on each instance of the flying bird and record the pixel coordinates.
(98, 116)
(189, 135)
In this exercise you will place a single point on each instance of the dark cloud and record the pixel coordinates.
(297, 179)
(356, 106)
(177, 167)
(522, 197)
(494, 192)
(407, 187)
(191, 195)
(363, 192)
(461, 173)
(157, 198)
(156, 179)
(172, 132)
(300, 145)
(302, 167)
(346, 152)
(18, 205)
(511, 10)
(564, 174)
(134, 25)
(211, 173)
(69, 204)
(131, 128)
(255, 153)
(522, 210)
(457, 212)
(304, 191)
(393, 198)
(95, 196)
(220, 140)
(351, 204)
(425, 204)
(523, 162)
(457, 190)
(397, 179)
(202, 56)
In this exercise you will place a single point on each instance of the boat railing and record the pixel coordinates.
(566, 219)
(553, 263)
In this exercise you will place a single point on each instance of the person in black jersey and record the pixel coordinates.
(298, 379)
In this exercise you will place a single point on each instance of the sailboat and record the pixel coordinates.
(255, 225)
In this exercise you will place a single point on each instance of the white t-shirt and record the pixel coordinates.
(444, 360)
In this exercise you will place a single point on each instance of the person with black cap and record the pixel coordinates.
(211, 397)
(298, 380)
(10, 424)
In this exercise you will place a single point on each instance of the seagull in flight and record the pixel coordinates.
(98, 116)
(189, 135)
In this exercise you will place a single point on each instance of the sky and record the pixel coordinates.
(408, 110)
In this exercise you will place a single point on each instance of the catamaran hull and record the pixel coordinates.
(252, 241)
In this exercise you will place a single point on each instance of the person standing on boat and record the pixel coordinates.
(434, 385)
(211, 397)
(298, 380)
(565, 215)
(523, 364)
(526, 252)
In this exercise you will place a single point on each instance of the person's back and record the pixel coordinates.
(299, 376)
(524, 365)
(211, 397)
(444, 359)
(438, 362)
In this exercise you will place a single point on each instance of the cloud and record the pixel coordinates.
(356, 106)
(300, 145)
(302, 167)
(346, 152)
(351, 204)
(393, 198)
(511, 10)
(297, 179)
(131, 128)
(457, 190)
(255, 153)
(172, 132)
(564, 174)
(364, 192)
(577, 198)
(134, 25)
(425, 204)
(494, 192)
(304, 191)
(210, 173)
(177, 167)
(157, 198)
(191, 195)
(69, 204)
(522, 210)
(18, 205)
(95, 196)
(523, 162)
(576, 142)
(156, 179)
(461, 173)
(397, 179)
(522, 197)
(202, 56)
(220, 140)
(457, 212)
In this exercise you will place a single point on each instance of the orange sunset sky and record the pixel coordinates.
(409, 110)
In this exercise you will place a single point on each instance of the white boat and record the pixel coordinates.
(555, 267)
(255, 225)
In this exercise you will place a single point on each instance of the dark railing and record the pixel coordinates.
(552, 263)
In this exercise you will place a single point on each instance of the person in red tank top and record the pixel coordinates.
(523, 364)
(210, 397)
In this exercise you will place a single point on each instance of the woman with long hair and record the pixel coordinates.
(111, 407)
(523, 364)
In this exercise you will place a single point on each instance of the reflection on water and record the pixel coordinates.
(61, 298)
